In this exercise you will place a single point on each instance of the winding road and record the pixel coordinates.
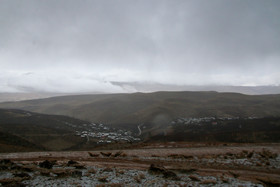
(140, 131)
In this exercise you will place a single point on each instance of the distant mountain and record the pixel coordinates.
(130, 110)
(153, 87)
(132, 87)
(4, 97)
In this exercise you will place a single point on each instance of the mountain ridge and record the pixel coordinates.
(135, 108)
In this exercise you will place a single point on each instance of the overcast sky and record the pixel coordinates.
(81, 46)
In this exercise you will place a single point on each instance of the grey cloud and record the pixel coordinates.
(180, 42)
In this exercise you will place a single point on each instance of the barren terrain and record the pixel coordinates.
(157, 164)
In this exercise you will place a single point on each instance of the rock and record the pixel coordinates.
(107, 169)
(119, 153)
(267, 154)
(188, 156)
(45, 173)
(234, 174)
(27, 168)
(6, 162)
(76, 173)
(106, 154)
(187, 171)
(79, 166)
(11, 181)
(3, 167)
(225, 180)
(194, 178)
(71, 162)
(61, 172)
(137, 179)
(103, 179)
(176, 156)
(46, 164)
(75, 164)
(156, 169)
(170, 175)
(229, 154)
(22, 175)
(258, 164)
(16, 167)
(92, 171)
(250, 155)
(93, 155)
(268, 181)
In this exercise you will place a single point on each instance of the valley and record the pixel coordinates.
(163, 139)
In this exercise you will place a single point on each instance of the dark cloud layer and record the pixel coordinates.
(70, 45)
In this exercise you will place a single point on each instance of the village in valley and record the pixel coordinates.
(102, 134)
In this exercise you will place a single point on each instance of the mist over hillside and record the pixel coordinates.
(132, 87)
(153, 87)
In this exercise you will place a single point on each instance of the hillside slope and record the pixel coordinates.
(28, 131)
(121, 109)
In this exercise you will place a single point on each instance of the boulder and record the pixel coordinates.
(46, 164)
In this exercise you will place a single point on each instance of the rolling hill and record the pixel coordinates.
(239, 130)
(51, 123)
(27, 131)
(136, 108)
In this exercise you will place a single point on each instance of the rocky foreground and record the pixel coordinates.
(150, 165)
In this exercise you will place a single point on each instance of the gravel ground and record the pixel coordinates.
(215, 166)
(120, 177)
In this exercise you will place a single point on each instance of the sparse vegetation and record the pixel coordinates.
(206, 168)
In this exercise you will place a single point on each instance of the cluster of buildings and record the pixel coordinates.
(212, 120)
(188, 121)
(102, 134)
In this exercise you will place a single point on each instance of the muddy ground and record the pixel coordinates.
(168, 164)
